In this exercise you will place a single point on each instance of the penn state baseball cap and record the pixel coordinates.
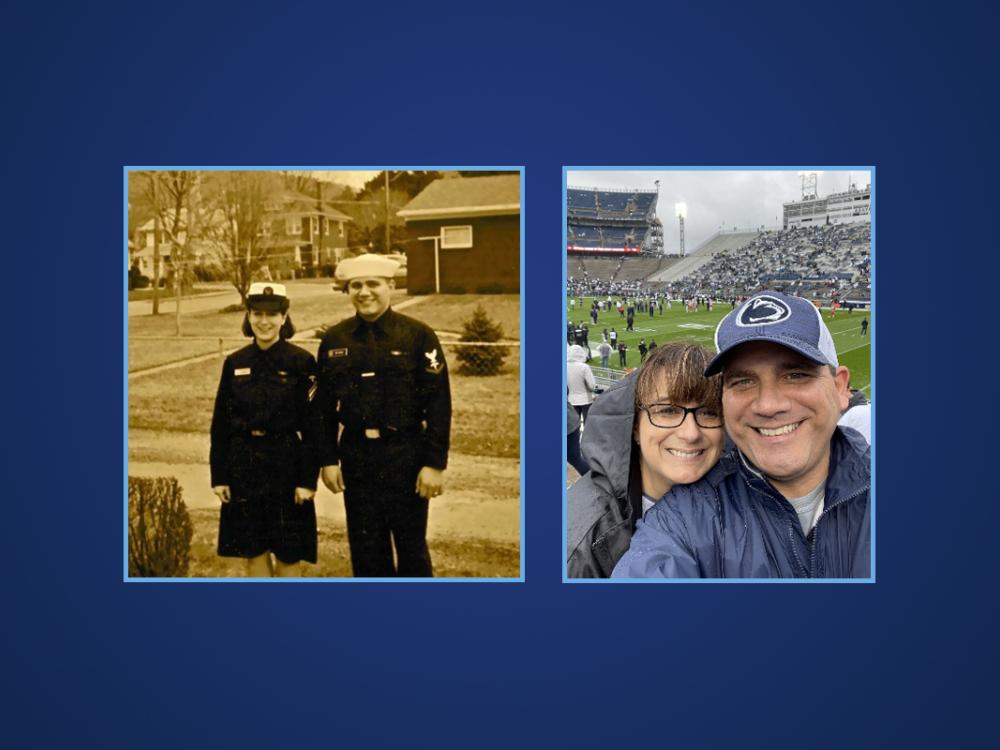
(263, 295)
(782, 319)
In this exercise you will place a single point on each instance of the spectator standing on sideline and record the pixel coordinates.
(604, 351)
(580, 381)
(573, 454)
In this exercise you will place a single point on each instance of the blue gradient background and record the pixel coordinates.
(905, 662)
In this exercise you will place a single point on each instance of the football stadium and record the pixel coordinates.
(617, 264)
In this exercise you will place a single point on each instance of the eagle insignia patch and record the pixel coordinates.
(433, 365)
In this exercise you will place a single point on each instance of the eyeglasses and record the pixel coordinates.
(670, 415)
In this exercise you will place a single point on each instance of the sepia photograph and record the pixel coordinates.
(323, 374)
(719, 380)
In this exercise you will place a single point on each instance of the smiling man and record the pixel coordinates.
(383, 378)
(792, 501)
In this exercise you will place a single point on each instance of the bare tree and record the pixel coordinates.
(178, 215)
(239, 204)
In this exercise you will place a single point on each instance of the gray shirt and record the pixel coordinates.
(809, 507)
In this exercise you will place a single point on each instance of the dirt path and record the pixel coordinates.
(481, 499)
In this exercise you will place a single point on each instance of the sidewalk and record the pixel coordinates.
(215, 300)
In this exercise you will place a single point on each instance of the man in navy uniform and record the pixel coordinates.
(382, 377)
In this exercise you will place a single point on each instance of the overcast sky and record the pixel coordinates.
(717, 198)
(353, 180)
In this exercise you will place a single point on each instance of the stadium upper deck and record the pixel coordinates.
(612, 221)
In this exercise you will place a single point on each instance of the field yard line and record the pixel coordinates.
(855, 329)
(862, 346)
(866, 387)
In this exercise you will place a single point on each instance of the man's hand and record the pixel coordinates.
(222, 492)
(303, 494)
(333, 478)
(430, 482)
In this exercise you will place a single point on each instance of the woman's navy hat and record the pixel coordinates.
(264, 295)
(782, 319)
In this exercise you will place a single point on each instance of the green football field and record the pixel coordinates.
(853, 349)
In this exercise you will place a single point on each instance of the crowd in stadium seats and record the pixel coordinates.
(825, 262)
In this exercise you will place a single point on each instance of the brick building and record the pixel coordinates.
(474, 225)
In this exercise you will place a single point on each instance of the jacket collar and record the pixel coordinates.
(848, 477)
(379, 325)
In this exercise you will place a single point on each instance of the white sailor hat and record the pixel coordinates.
(265, 295)
(362, 266)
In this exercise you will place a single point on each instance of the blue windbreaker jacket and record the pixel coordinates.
(734, 524)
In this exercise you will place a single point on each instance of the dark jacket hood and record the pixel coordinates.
(607, 436)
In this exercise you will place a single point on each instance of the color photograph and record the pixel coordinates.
(719, 375)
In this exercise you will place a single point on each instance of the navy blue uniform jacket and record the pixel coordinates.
(734, 524)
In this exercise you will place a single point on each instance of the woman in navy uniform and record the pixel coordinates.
(263, 462)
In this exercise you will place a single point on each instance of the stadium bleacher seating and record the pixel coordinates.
(824, 262)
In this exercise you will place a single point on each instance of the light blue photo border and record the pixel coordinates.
(872, 332)
(126, 169)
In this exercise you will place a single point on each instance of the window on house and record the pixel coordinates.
(457, 236)
(293, 225)
(340, 229)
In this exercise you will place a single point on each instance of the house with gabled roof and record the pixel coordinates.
(303, 234)
(464, 236)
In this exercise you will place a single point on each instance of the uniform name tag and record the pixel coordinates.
(241, 371)
(336, 353)
(368, 374)
(396, 353)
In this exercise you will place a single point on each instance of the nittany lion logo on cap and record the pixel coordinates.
(763, 311)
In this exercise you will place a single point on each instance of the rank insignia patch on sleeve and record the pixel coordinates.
(433, 365)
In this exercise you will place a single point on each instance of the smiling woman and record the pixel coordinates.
(263, 469)
(653, 430)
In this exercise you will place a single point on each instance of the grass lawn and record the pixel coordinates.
(441, 312)
(447, 312)
(137, 295)
(485, 421)
(853, 349)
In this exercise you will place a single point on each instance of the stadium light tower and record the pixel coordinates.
(809, 191)
(680, 210)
